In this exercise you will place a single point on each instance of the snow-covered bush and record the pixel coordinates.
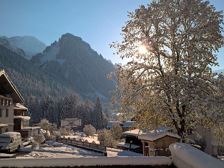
(105, 137)
(89, 130)
(44, 124)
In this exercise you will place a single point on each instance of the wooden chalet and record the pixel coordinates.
(157, 143)
(13, 114)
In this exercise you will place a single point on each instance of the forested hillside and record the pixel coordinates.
(73, 60)
(61, 82)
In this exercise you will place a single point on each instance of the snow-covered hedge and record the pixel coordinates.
(186, 156)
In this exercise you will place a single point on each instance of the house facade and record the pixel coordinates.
(10, 105)
(6, 114)
(157, 143)
(21, 118)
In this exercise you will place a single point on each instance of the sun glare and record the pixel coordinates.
(142, 49)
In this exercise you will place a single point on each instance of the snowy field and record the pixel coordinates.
(56, 150)
(53, 154)
(59, 150)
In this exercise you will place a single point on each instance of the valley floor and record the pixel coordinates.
(58, 150)
(55, 150)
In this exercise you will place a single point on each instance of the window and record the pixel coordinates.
(0, 112)
(0, 130)
(6, 112)
(6, 130)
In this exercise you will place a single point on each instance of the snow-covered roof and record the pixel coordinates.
(30, 128)
(23, 117)
(19, 106)
(129, 124)
(135, 132)
(3, 125)
(71, 122)
(10, 87)
(127, 145)
(71, 119)
(156, 135)
(111, 123)
(11, 134)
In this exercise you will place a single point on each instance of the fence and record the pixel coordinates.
(83, 144)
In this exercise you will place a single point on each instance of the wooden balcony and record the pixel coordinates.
(5, 101)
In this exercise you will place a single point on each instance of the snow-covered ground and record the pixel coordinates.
(59, 150)
(56, 150)
(112, 152)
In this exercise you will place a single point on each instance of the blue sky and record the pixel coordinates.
(98, 22)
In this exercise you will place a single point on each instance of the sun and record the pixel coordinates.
(142, 49)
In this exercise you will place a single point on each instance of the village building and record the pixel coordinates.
(6, 114)
(125, 125)
(13, 114)
(21, 118)
(157, 143)
(131, 141)
(71, 123)
(9, 96)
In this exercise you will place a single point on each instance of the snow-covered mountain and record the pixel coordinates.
(5, 42)
(69, 62)
(72, 60)
(29, 44)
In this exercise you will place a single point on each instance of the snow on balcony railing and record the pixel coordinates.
(158, 161)
(186, 156)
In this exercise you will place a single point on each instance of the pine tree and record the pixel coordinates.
(98, 114)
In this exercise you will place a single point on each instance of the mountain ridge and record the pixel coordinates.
(68, 61)
(30, 45)
(73, 60)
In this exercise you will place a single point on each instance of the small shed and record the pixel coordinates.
(131, 141)
(157, 143)
(71, 123)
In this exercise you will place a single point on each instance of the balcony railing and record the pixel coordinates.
(5, 101)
